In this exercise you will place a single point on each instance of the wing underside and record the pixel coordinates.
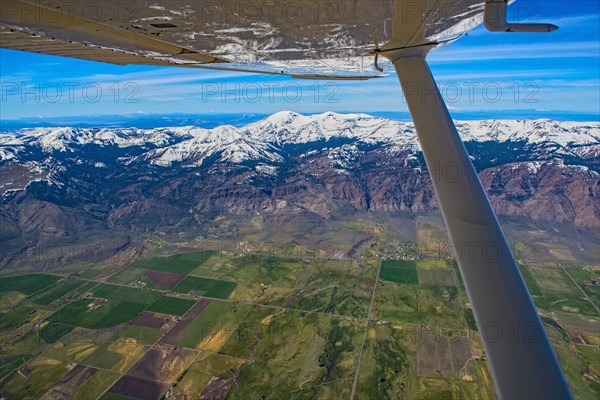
(303, 39)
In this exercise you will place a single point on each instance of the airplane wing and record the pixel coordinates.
(301, 38)
(337, 39)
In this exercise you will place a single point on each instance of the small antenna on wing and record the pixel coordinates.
(377, 50)
(495, 20)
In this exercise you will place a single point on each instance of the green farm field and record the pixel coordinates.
(214, 288)
(171, 305)
(27, 284)
(399, 272)
(119, 304)
(202, 325)
(234, 324)
(183, 263)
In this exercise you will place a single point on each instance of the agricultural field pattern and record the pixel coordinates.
(188, 322)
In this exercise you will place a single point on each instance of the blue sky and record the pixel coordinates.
(554, 75)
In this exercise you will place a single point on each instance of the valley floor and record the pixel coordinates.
(191, 322)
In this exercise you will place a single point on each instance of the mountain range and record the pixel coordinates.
(64, 184)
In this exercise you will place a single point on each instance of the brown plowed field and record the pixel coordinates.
(149, 320)
(138, 388)
(165, 280)
(162, 364)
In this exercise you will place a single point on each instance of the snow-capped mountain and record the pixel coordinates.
(68, 182)
(264, 140)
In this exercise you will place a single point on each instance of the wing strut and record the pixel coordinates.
(522, 360)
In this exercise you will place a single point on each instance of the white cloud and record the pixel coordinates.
(518, 51)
